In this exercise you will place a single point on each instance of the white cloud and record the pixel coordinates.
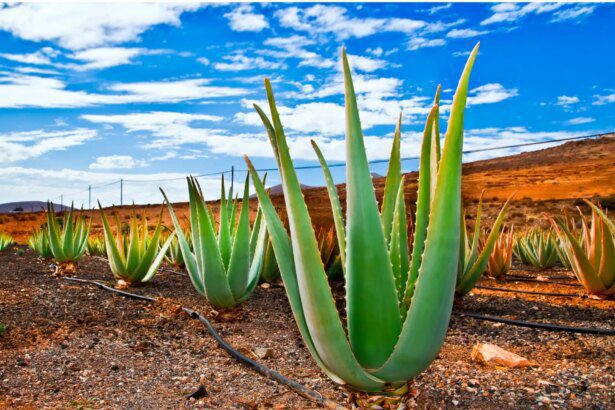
(564, 100)
(40, 57)
(117, 162)
(78, 26)
(105, 57)
(511, 12)
(603, 99)
(323, 19)
(366, 64)
(243, 18)
(464, 33)
(490, 93)
(420, 42)
(18, 146)
(573, 13)
(33, 91)
(240, 62)
(168, 129)
(295, 47)
(580, 120)
(435, 9)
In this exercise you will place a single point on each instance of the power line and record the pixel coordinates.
(122, 181)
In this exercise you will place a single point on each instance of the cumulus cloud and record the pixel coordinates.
(490, 93)
(105, 57)
(78, 26)
(40, 57)
(603, 99)
(565, 100)
(465, 33)
(243, 18)
(511, 12)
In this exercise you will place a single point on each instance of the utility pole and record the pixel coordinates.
(121, 192)
(62, 203)
(89, 196)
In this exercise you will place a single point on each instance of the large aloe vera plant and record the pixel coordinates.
(68, 241)
(473, 263)
(398, 308)
(134, 257)
(225, 267)
(592, 258)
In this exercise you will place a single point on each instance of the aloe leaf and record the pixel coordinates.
(604, 217)
(478, 264)
(224, 230)
(399, 243)
(336, 207)
(317, 321)
(427, 319)
(239, 265)
(189, 258)
(392, 182)
(153, 266)
(606, 270)
(372, 332)
(318, 303)
(423, 203)
(217, 289)
(55, 240)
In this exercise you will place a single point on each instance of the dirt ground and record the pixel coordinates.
(69, 345)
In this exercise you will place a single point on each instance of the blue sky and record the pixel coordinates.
(91, 93)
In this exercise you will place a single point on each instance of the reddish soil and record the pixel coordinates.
(70, 345)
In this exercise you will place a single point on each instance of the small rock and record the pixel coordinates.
(493, 355)
(265, 285)
(263, 352)
(473, 383)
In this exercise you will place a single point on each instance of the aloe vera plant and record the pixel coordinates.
(396, 316)
(174, 254)
(96, 246)
(593, 257)
(6, 240)
(68, 241)
(537, 248)
(500, 260)
(225, 267)
(473, 263)
(134, 257)
(38, 241)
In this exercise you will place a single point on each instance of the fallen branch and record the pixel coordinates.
(298, 388)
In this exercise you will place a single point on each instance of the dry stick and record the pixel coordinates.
(548, 282)
(298, 388)
(545, 326)
(529, 292)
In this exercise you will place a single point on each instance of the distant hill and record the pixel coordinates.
(28, 206)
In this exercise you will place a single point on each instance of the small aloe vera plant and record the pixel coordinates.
(38, 241)
(398, 308)
(473, 263)
(134, 257)
(6, 240)
(537, 248)
(67, 242)
(96, 246)
(224, 268)
(500, 260)
(592, 258)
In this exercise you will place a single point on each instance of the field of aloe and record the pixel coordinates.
(393, 306)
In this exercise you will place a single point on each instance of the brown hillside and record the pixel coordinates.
(546, 181)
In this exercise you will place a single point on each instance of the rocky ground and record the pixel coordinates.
(70, 345)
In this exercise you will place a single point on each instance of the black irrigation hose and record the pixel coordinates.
(546, 277)
(530, 292)
(519, 279)
(544, 326)
(298, 388)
